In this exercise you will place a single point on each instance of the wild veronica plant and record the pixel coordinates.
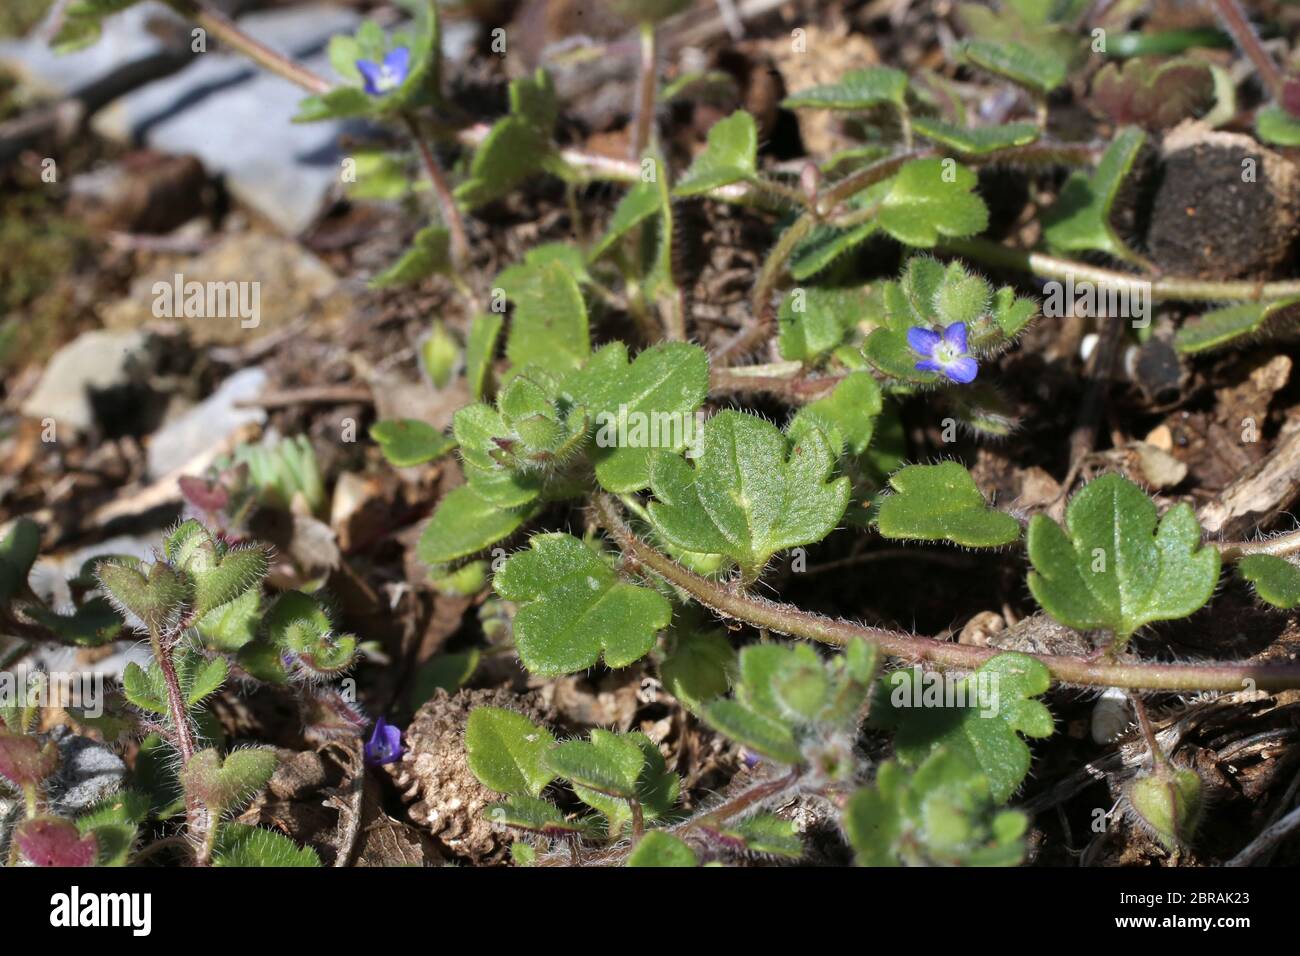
(662, 528)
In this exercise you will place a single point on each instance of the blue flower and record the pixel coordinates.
(383, 78)
(945, 353)
(384, 745)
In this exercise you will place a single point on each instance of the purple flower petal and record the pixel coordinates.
(399, 62)
(371, 72)
(929, 365)
(922, 341)
(955, 336)
(384, 745)
(963, 370)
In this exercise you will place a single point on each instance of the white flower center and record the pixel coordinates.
(946, 354)
(388, 79)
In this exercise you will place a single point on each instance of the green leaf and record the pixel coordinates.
(813, 322)
(507, 751)
(18, 552)
(80, 23)
(240, 845)
(752, 492)
(641, 407)
(825, 243)
(608, 763)
(1276, 580)
(941, 814)
(237, 571)
(1079, 220)
(549, 326)
(114, 822)
(231, 626)
(447, 672)
(406, 442)
(639, 204)
(764, 735)
(430, 254)
(730, 155)
(157, 600)
(1037, 70)
(464, 524)
(222, 785)
(1275, 125)
(1236, 324)
(512, 152)
(529, 813)
(656, 787)
(480, 349)
(941, 503)
(975, 141)
(978, 717)
(1112, 568)
(573, 608)
(699, 667)
(342, 102)
(930, 198)
(856, 90)
(658, 848)
(198, 676)
(768, 835)
(848, 415)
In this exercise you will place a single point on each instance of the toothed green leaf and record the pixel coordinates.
(730, 155)
(238, 571)
(406, 442)
(157, 600)
(640, 407)
(813, 322)
(768, 835)
(574, 609)
(1112, 568)
(981, 722)
(930, 198)
(198, 676)
(752, 491)
(222, 785)
(1276, 580)
(847, 416)
(661, 849)
(856, 90)
(1080, 219)
(507, 751)
(231, 626)
(941, 503)
(639, 203)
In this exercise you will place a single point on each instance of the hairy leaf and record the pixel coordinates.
(1276, 580)
(406, 442)
(730, 155)
(856, 90)
(930, 198)
(942, 503)
(574, 609)
(507, 751)
(658, 848)
(1080, 219)
(1112, 568)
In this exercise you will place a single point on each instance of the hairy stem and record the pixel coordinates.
(1233, 18)
(1165, 288)
(645, 100)
(446, 199)
(229, 33)
(1280, 546)
(785, 619)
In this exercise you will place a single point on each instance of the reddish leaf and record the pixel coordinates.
(51, 841)
(1156, 96)
(24, 761)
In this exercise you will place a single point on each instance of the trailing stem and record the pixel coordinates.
(1072, 669)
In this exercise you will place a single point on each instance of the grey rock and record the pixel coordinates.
(237, 119)
(88, 772)
(126, 38)
(95, 363)
(207, 423)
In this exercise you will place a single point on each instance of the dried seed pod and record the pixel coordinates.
(434, 775)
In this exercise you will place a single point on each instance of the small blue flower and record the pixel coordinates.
(383, 78)
(384, 745)
(944, 353)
